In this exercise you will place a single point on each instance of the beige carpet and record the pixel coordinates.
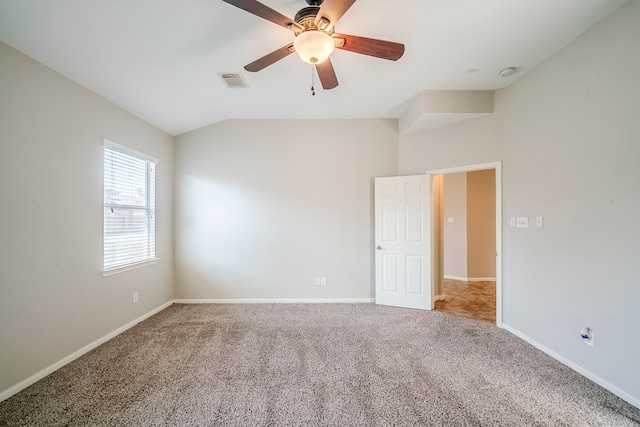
(325, 364)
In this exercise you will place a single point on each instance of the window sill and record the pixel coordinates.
(128, 267)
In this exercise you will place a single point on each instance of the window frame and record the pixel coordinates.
(149, 208)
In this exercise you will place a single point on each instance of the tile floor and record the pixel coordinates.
(476, 300)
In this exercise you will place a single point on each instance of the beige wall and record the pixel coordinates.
(567, 135)
(481, 224)
(455, 233)
(265, 206)
(470, 240)
(467, 143)
(53, 299)
(573, 156)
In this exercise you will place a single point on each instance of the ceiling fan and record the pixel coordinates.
(315, 37)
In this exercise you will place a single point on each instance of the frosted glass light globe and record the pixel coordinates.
(314, 47)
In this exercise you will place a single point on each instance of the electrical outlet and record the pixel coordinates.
(586, 333)
(135, 297)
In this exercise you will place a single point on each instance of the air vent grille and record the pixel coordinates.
(233, 80)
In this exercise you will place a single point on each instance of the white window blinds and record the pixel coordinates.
(129, 207)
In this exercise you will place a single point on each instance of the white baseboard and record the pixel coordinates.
(462, 279)
(73, 356)
(579, 369)
(470, 279)
(276, 301)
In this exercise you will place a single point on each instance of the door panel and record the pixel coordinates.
(414, 223)
(390, 223)
(403, 263)
(390, 273)
(414, 275)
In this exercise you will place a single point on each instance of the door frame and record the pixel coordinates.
(470, 168)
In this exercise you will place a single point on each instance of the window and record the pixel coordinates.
(129, 208)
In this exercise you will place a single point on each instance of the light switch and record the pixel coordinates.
(512, 221)
(522, 222)
(539, 222)
(450, 220)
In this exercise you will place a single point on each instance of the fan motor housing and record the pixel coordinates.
(306, 13)
(306, 18)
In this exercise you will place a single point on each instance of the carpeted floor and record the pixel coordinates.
(324, 364)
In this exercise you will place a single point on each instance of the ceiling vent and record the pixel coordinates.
(233, 80)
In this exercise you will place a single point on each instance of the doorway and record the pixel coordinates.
(467, 264)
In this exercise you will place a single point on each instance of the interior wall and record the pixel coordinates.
(573, 157)
(466, 143)
(481, 224)
(567, 134)
(455, 233)
(263, 207)
(53, 298)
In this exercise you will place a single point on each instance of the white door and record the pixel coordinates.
(403, 244)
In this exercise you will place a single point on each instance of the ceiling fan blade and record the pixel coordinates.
(372, 47)
(258, 9)
(270, 58)
(332, 11)
(327, 75)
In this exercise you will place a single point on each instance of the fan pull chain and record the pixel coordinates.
(313, 78)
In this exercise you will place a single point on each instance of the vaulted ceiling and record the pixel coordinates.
(161, 59)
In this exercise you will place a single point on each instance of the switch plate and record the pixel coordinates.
(512, 221)
(318, 281)
(450, 220)
(323, 281)
(539, 222)
(522, 222)
(135, 297)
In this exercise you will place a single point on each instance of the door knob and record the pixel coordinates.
(379, 248)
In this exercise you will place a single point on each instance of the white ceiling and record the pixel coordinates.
(160, 59)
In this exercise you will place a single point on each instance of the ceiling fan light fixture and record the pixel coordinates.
(314, 47)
